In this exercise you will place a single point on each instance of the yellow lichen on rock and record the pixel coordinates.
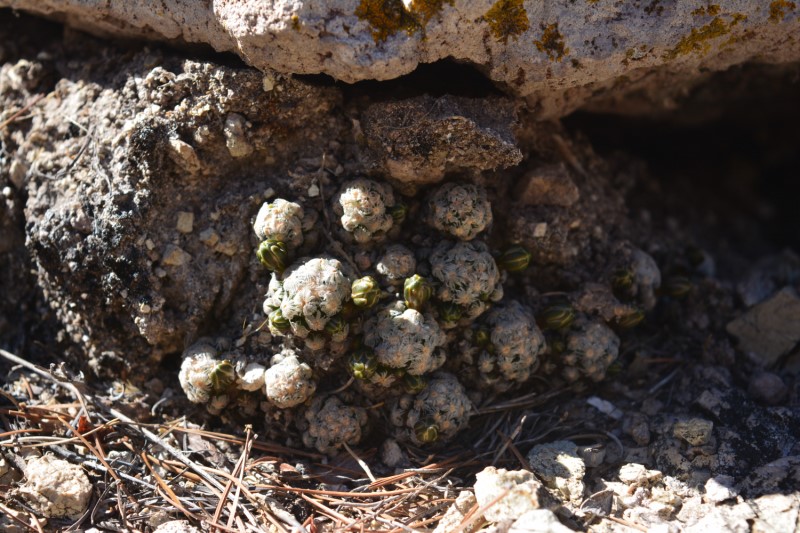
(507, 18)
(779, 9)
(699, 39)
(552, 42)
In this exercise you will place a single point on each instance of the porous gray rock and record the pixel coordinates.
(557, 55)
(417, 140)
(561, 468)
(514, 492)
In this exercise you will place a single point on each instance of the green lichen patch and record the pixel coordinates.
(387, 17)
(552, 42)
(779, 9)
(699, 40)
(507, 18)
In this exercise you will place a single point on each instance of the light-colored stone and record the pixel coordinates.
(185, 222)
(175, 256)
(183, 154)
(560, 467)
(558, 55)
(523, 493)
(56, 488)
(453, 517)
(720, 488)
(538, 521)
(771, 328)
(547, 185)
(176, 526)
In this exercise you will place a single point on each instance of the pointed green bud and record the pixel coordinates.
(677, 286)
(362, 363)
(450, 312)
(426, 431)
(630, 320)
(417, 291)
(514, 259)
(337, 326)
(558, 316)
(220, 376)
(273, 255)
(481, 337)
(398, 211)
(278, 322)
(622, 282)
(414, 384)
(365, 292)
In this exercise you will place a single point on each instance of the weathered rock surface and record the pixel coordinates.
(771, 328)
(557, 55)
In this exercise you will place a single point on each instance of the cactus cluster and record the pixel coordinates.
(397, 333)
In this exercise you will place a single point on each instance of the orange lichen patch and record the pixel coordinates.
(427, 9)
(712, 10)
(779, 9)
(699, 39)
(387, 17)
(507, 18)
(552, 42)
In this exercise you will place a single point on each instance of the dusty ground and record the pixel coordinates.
(103, 147)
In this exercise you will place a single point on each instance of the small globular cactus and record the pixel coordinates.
(514, 347)
(396, 263)
(639, 278)
(203, 376)
(435, 414)
(331, 423)
(461, 210)
(312, 293)
(288, 382)
(405, 339)
(364, 209)
(280, 221)
(467, 276)
(591, 347)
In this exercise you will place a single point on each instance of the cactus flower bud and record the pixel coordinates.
(417, 291)
(365, 292)
(273, 255)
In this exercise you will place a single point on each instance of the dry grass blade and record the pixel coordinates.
(166, 490)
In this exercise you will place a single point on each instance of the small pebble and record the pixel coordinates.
(720, 488)
(767, 387)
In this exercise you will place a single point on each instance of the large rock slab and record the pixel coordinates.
(559, 55)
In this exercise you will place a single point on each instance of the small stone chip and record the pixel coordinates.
(720, 488)
(175, 256)
(695, 431)
(209, 237)
(185, 222)
(56, 488)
